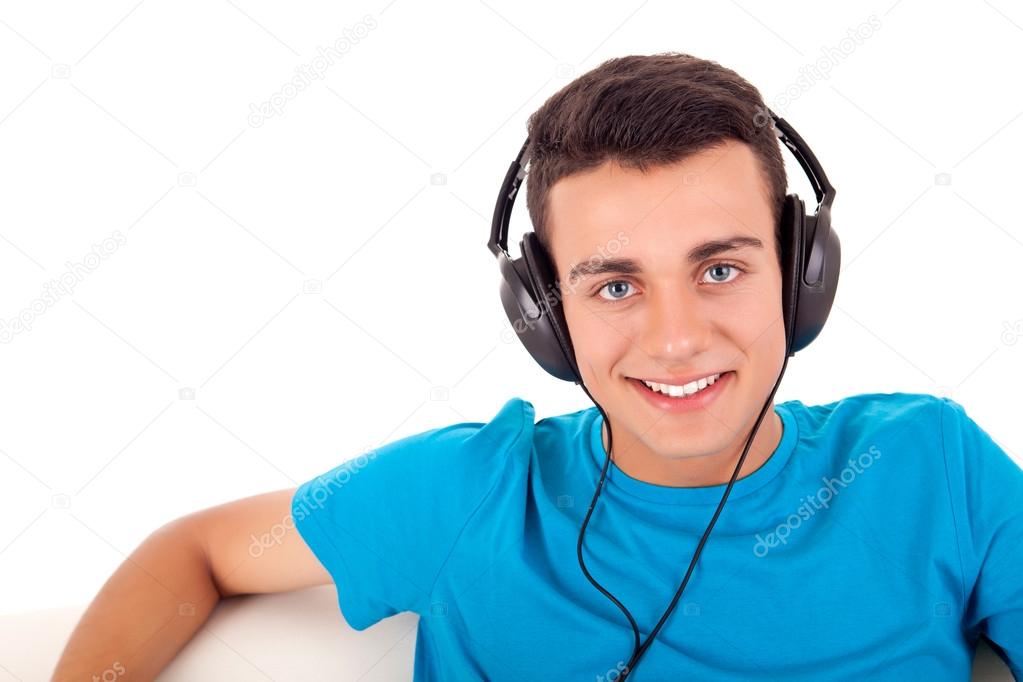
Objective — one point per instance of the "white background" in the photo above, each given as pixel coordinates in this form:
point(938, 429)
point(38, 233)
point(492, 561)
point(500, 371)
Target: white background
point(134, 119)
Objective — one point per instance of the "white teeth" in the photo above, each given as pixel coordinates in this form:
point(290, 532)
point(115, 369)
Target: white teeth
point(688, 389)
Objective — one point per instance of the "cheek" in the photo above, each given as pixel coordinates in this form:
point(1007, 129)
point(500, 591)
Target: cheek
point(759, 312)
point(581, 325)
point(595, 342)
point(763, 329)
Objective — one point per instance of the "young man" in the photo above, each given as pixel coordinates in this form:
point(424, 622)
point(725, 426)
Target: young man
point(875, 537)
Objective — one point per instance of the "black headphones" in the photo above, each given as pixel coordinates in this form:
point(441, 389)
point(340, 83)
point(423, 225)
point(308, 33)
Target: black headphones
point(811, 259)
point(811, 256)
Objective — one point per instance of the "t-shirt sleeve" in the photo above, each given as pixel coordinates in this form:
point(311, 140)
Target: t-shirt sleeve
point(383, 523)
point(986, 486)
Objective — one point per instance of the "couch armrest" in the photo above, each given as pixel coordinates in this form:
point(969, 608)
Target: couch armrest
point(298, 635)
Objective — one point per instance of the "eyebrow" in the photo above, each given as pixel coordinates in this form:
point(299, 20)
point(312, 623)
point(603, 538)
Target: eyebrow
point(628, 266)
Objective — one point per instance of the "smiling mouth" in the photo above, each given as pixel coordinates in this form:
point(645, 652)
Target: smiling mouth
point(681, 390)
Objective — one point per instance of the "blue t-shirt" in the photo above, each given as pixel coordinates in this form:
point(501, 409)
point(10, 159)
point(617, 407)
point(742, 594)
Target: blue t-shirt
point(882, 537)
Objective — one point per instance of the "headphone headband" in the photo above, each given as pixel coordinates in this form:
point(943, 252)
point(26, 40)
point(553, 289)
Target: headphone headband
point(822, 188)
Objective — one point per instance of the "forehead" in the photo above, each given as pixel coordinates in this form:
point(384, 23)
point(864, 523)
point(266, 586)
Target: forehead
point(717, 192)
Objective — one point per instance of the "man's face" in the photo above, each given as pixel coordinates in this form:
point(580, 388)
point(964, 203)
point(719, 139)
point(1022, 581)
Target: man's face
point(672, 317)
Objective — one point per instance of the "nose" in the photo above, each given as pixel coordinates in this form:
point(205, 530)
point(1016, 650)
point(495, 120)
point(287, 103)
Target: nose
point(674, 326)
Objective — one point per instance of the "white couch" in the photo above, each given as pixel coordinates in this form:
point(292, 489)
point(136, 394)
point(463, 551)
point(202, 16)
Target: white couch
point(281, 637)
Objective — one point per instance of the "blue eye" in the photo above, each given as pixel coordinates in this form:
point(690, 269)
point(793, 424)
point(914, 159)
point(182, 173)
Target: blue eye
point(618, 285)
point(731, 267)
point(611, 284)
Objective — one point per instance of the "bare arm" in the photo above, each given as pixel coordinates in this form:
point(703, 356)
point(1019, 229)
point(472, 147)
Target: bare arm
point(145, 612)
point(161, 595)
point(253, 546)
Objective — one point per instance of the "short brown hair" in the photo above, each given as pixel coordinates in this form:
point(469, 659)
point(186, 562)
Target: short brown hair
point(644, 110)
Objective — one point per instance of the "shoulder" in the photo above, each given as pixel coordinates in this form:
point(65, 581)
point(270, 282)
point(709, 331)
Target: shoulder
point(902, 429)
point(509, 429)
point(468, 444)
point(464, 454)
point(872, 412)
point(973, 454)
point(909, 422)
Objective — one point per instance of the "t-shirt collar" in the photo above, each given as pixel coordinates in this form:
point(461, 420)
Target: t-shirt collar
point(700, 494)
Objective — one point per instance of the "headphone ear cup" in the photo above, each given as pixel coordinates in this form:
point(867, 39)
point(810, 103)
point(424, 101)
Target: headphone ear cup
point(823, 261)
point(811, 243)
point(548, 295)
point(530, 321)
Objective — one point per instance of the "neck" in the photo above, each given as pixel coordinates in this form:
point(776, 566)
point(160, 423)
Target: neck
point(637, 460)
